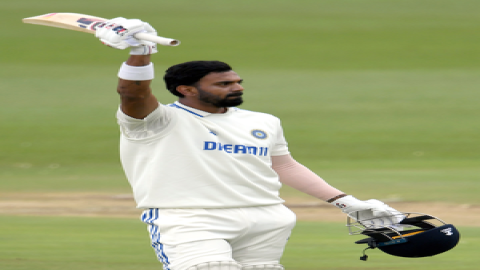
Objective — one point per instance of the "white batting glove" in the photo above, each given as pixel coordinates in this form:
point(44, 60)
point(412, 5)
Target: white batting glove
point(370, 213)
point(118, 33)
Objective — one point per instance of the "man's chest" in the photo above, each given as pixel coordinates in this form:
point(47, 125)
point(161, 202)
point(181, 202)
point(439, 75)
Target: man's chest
point(247, 136)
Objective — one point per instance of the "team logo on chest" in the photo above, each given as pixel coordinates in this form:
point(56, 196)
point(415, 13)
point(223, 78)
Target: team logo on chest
point(259, 134)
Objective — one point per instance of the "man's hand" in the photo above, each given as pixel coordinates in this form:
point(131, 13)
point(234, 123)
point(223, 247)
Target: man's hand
point(118, 33)
point(370, 213)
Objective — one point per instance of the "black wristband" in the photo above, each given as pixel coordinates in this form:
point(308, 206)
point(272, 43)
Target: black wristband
point(336, 197)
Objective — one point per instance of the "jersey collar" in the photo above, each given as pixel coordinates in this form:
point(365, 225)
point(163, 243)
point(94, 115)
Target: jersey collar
point(198, 112)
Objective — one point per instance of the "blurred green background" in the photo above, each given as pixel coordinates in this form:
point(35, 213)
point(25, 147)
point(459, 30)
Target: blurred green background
point(378, 97)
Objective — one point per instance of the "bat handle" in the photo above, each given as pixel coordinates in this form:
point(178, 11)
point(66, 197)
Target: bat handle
point(159, 40)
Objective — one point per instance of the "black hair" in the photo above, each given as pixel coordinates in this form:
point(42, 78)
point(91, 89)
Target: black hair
point(189, 73)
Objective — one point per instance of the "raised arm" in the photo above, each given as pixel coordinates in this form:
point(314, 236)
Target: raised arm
point(136, 96)
point(137, 72)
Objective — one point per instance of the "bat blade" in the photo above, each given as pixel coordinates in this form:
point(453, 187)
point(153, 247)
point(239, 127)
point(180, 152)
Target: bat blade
point(72, 21)
point(88, 24)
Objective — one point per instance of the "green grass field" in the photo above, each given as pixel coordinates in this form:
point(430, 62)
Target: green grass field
point(95, 243)
point(378, 97)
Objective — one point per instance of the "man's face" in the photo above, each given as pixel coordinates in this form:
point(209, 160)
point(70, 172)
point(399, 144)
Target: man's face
point(220, 89)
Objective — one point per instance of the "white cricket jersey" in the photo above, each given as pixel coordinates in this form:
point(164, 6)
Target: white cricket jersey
point(181, 157)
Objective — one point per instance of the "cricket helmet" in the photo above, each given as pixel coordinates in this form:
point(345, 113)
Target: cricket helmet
point(416, 235)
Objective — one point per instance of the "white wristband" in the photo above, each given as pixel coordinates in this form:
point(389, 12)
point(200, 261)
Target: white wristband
point(132, 73)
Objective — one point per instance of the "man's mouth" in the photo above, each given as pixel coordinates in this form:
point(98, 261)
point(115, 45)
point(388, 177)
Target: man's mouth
point(235, 95)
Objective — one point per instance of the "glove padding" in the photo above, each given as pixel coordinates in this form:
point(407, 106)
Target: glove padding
point(118, 33)
point(371, 213)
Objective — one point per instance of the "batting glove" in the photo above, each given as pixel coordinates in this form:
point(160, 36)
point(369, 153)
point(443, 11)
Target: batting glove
point(370, 213)
point(119, 33)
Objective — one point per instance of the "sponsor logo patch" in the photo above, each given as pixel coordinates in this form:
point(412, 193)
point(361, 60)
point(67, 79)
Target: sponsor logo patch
point(235, 148)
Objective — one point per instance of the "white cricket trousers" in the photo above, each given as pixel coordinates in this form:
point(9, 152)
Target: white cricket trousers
point(183, 238)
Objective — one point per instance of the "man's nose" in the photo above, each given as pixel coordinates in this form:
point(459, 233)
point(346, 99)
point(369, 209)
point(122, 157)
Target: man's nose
point(237, 87)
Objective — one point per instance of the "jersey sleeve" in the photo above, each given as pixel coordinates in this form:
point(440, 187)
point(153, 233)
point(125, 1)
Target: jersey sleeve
point(155, 123)
point(281, 146)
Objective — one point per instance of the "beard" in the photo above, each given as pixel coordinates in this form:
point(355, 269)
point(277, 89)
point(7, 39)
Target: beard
point(230, 100)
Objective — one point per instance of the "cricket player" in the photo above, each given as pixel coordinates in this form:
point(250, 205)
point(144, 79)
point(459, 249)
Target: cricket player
point(207, 173)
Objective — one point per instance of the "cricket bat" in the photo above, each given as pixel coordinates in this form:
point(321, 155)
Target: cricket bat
point(88, 24)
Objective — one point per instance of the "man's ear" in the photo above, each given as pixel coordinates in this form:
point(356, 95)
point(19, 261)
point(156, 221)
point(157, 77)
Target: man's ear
point(187, 91)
